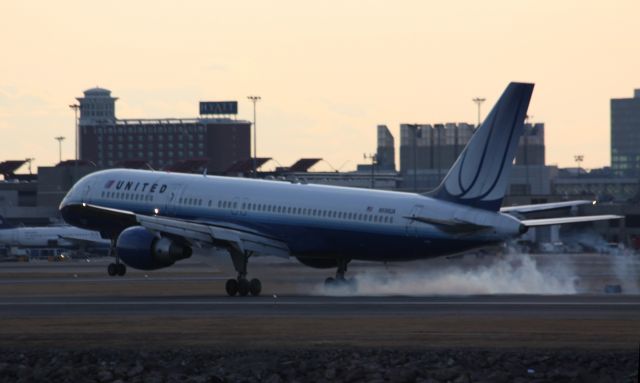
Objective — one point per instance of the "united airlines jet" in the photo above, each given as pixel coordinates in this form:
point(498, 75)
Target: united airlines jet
point(155, 218)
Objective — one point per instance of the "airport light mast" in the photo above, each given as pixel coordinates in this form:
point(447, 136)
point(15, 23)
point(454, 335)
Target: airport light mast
point(479, 101)
point(374, 160)
point(578, 158)
point(254, 99)
point(59, 139)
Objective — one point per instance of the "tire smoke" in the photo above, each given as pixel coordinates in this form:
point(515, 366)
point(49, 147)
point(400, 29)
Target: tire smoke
point(499, 274)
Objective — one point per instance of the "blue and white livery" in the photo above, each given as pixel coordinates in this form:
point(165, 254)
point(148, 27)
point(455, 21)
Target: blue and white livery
point(155, 218)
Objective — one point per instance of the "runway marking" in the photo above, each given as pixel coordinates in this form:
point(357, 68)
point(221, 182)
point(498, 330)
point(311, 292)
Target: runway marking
point(311, 303)
point(81, 279)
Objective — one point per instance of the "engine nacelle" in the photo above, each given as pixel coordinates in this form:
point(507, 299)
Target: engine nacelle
point(319, 263)
point(140, 249)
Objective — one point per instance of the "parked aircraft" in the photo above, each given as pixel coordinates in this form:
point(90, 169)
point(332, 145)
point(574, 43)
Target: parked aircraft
point(155, 218)
point(60, 237)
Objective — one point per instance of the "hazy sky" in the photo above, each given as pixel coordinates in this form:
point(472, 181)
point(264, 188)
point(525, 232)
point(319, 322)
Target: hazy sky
point(328, 71)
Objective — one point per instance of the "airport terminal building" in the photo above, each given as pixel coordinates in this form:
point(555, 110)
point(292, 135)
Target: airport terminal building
point(215, 138)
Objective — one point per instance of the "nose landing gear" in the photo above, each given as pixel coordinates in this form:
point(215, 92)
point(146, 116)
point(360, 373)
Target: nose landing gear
point(116, 268)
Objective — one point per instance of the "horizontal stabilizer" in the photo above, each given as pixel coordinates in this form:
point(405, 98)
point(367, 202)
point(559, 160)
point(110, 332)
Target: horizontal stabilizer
point(523, 209)
point(565, 220)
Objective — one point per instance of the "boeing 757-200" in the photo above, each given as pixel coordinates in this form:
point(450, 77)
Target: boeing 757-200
point(155, 218)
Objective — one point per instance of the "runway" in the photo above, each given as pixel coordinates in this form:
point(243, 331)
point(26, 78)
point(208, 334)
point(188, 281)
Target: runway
point(527, 306)
point(77, 305)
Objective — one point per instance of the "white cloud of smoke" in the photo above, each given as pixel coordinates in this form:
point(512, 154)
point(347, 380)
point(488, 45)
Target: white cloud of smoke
point(504, 274)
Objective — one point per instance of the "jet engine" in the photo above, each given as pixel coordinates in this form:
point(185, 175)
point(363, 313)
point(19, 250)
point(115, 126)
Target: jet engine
point(141, 249)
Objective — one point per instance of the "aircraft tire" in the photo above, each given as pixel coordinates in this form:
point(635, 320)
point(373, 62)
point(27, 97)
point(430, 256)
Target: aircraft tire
point(112, 269)
point(243, 287)
point(255, 287)
point(122, 269)
point(232, 287)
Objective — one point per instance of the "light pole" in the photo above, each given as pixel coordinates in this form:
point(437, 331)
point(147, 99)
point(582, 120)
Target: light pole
point(479, 101)
point(254, 99)
point(374, 159)
point(578, 158)
point(59, 139)
point(75, 108)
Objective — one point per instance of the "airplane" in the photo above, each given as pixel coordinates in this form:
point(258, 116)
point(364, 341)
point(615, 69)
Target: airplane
point(63, 236)
point(155, 219)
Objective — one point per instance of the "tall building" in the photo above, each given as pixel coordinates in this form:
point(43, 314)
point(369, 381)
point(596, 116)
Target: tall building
point(217, 140)
point(428, 151)
point(432, 149)
point(625, 136)
point(531, 149)
point(385, 152)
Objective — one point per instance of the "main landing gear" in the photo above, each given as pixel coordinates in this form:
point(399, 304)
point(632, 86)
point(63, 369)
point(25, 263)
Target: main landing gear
point(241, 285)
point(116, 268)
point(340, 280)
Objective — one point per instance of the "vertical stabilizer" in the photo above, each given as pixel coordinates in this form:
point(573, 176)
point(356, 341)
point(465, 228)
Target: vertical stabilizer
point(480, 176)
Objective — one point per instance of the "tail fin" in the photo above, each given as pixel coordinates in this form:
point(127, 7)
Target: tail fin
point(480, 175)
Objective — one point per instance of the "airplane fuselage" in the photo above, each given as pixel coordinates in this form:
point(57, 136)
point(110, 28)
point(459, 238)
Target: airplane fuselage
point(315, 221)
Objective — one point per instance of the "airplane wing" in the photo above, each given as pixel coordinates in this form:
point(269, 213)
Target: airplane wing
point(523, 209)
point(244, 239)
point(212, 233)
point(565, 220)
point(83, 241)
